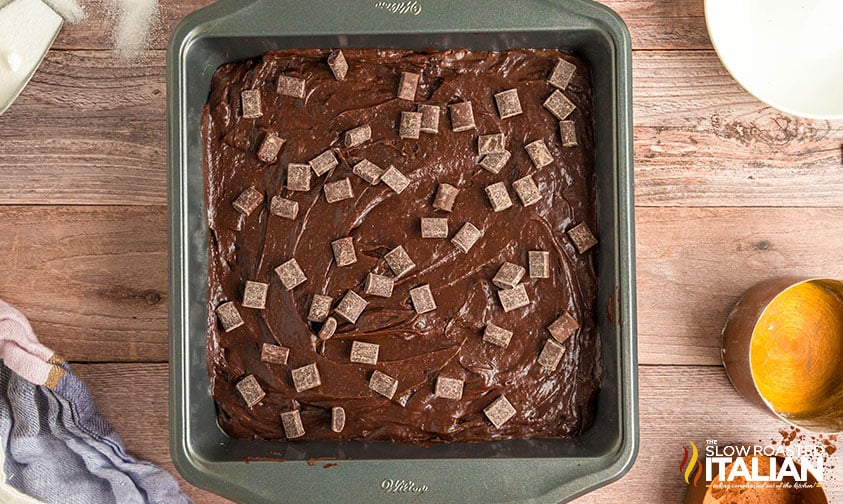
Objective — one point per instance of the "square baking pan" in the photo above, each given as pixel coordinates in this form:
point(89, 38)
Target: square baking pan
point(536, 470)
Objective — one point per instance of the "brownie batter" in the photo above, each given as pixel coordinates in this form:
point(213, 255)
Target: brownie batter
point(414, 348)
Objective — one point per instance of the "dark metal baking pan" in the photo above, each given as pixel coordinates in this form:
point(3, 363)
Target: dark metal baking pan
point(546, 470)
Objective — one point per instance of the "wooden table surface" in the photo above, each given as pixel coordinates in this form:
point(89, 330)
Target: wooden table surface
point(728, 192)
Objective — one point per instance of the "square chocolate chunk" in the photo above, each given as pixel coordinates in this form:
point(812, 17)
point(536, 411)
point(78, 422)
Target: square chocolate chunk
point(488, 144)
point(338, 191)
point(254, 295)
point(274, 354)
point(306, 377)
point(498, 196)
point(298, 177)
point(250, 102)
point(283, 207)
point(344, 253)
point(539, 153)
point(407, 85)
point(379, 285)
point(582, 237)
point(446, 195)
point(230, 318)
point(466, 237)
point(563, 327)
point(462, 116)
point(500, 411)
point(364, 353)
point(291, 274)
point(449, 388)
point(250, 390)
point(434, 227)
point(320, 306)
point(497, 335)
point(551, 355)
point(357, 136)
point(509, 105)
point(291, 86)
point(539, 261)
point(383, 384)
point(248, 201)
point(559, 105)
point(410, 125)
point(328, 329)
point(422, 298)
point(270, 147)
point(527, 190)
point(351, 306)
point(337, 419)
point(568, 133)
point(399, 261)
point(338, 65)
point(291, 421)
point(512, 299)
point(561, 74)
point(430, 118)
point(496, 161)
point(509, 275)
point(368, 171)
point(323, 163)
point(395, 180)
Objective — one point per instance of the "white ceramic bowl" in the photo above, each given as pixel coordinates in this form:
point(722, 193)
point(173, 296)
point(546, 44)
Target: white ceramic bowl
point(787, 53)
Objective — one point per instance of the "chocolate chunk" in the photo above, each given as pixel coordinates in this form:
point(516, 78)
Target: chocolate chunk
point(422, 298)
point(298, 177)
point(448, 388)
point(462, 116)
point(368, 171)
point(291, 421)
point(379, 285)
point(364, 353)
point(229, 316)
point(344, 254)
point(446, 195)
point(561, 74)
point(509, 275)
point(358, 136)
point(497, 335)
point(283, 207)
point(383, 384)
point(559, 105)
point(351, 306)
point(291, 274)
point(306, 377)
point(337, 419)
point(527, 190)
point(500, 411)
point(551, 355)
point(568, 133)
point(248, 201)
point(407, 85)
point(328, 329)
point(496, 161)
point(254, 295)
point(513, 298)
point(582, 237)
point(498, 196)
point(410, 125)
point(395, 180)
point(250, 390)
point(430, 118)
point(338, 64)
point(563, 327)
point(250, 102)
point(338, 191)
point(508, 103)
point(539, 261)
point(434, 227)
point(320, 306)
point(270, 147)
point(489, 144)
point(274, 354)
point(539, 154)
point(399, 261)
point(323, 163)
point(466, 237)
point(291, 86)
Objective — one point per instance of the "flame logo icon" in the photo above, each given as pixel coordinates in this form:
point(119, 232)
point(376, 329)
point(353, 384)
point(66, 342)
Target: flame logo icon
point(691, 461)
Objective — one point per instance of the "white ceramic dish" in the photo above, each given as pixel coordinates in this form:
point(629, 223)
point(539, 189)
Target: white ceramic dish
point(787, 53)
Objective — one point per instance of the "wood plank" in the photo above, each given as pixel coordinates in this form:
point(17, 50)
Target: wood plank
point(678, 404)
